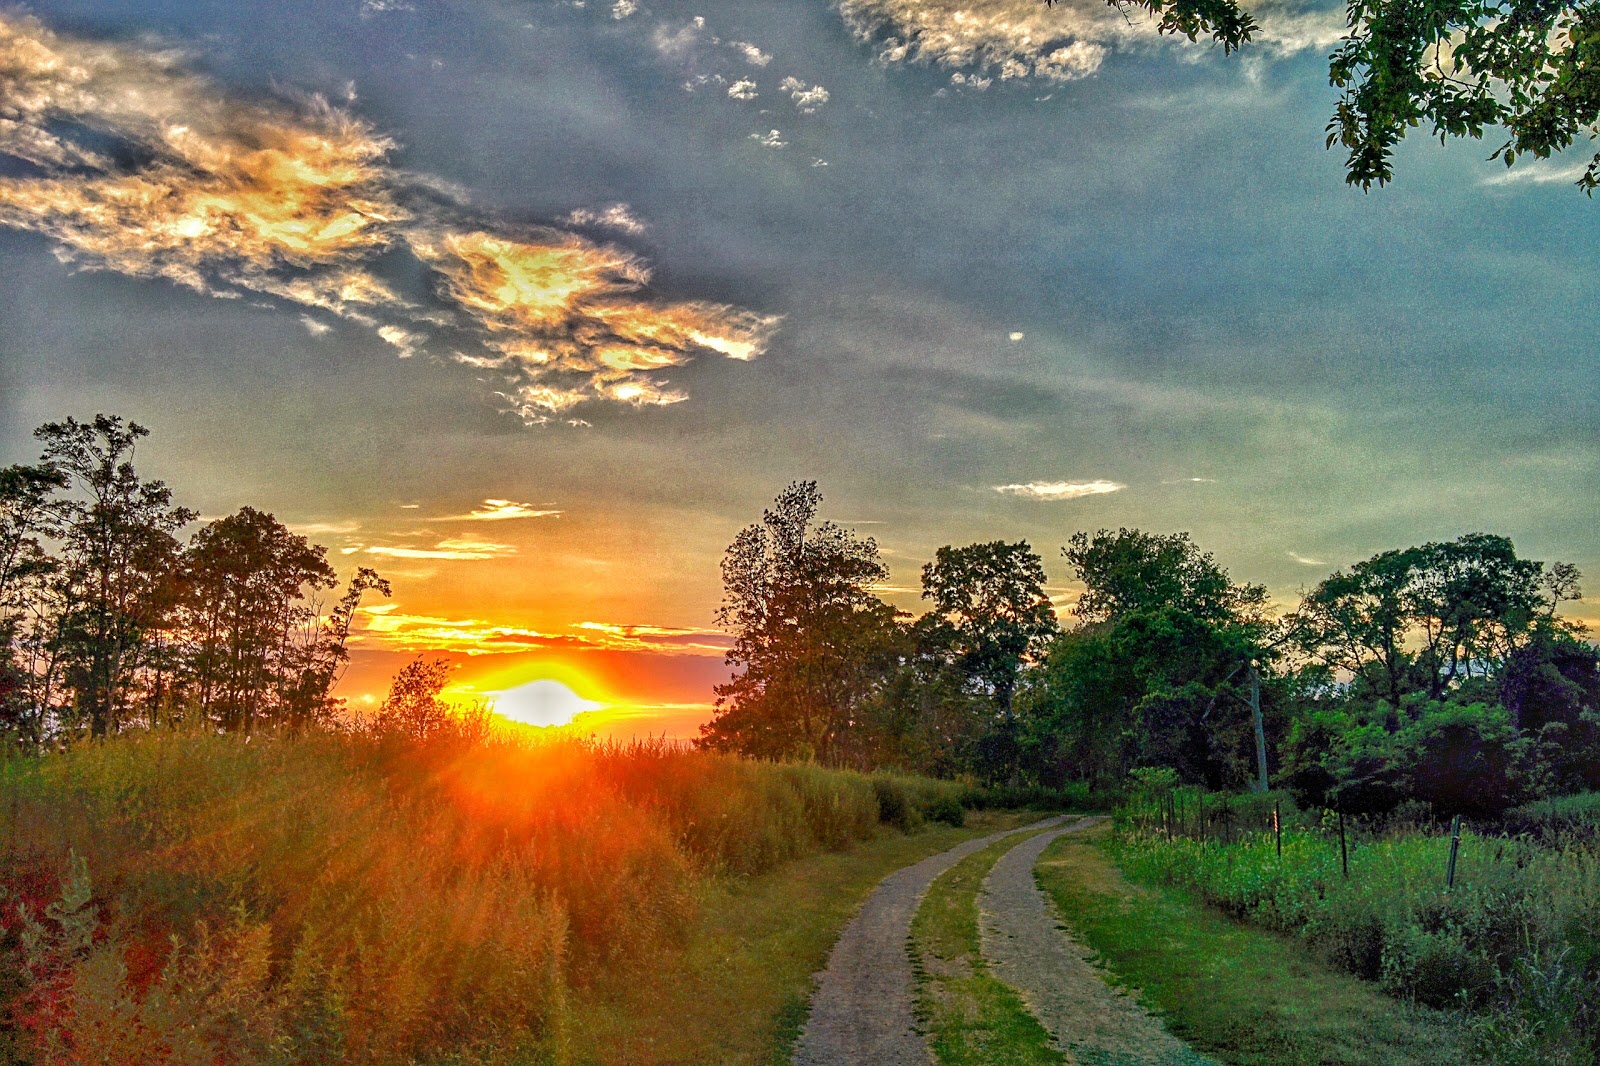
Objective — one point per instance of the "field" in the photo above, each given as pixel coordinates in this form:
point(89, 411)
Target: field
point(208, 899)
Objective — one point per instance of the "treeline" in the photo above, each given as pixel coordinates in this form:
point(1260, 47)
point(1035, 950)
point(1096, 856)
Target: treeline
point(1442, 674)
point(109, 620)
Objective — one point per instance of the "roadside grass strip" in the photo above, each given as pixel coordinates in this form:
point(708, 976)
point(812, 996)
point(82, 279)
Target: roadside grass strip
point(1247, 996)
point(971, 1017)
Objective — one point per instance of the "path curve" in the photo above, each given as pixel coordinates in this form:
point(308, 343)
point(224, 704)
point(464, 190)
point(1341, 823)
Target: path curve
point(861, 1011)
point(1026, 946)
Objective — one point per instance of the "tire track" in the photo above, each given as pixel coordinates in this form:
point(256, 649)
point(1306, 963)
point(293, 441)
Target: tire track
point(861, 1011)
point(1026, 946)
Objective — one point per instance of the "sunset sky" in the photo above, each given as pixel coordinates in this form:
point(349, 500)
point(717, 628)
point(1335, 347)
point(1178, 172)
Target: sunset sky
point(532, 305)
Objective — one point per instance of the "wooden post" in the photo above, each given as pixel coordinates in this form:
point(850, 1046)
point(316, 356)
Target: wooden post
point(1261, 733)
point(1277, 827)
point(1344, 851)
point(1455, 846)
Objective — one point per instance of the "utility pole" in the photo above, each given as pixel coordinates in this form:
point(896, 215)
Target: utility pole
point(1261, 733)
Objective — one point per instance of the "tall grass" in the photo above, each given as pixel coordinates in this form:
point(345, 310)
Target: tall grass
point(205, 899)
point(1516, 940)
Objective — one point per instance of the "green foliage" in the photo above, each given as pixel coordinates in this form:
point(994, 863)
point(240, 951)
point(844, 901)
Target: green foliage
point(990, 602)
point(1517, 939)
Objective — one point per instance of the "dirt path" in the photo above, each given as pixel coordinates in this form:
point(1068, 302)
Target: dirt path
point(861, 1012)
point(1025, 946)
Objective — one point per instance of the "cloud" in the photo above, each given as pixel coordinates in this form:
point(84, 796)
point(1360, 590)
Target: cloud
point(623, 8)
point(455, 550)
point(619, 217)
point(323, 529)
point(770, 139)
point(1059, 490)
point(807, 98)
point(313, 327)
point(499, 511)
point(385, 624)
point(138, 166)
point(1015, 336)
point(1306, 560)
point(752, 55)
point(743, 89)
point(1541, 172)
point(1024, 39)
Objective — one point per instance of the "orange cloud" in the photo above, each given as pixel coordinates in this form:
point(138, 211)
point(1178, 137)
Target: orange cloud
point(459, 550)
point(499, 511)
point(386, 626)
point(297, 199)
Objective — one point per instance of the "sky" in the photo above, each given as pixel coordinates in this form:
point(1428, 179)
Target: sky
point(532, 305)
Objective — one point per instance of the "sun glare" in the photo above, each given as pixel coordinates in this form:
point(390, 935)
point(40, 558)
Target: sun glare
point(544, 703)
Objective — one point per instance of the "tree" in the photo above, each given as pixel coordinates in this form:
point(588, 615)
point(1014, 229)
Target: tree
point(1426, 618)
point(811, 641)
point(248, 583)
point(413, 708)
point(1131, 570)
point(991, 598)
point(1163, 631)
point(118, 561)
point(1460, 68)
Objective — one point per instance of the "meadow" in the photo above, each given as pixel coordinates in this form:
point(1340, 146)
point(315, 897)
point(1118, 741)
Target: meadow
point(1513, 945)
point(221, 899)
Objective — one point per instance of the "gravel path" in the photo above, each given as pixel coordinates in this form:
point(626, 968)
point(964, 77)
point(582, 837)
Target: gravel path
point(861, 1010)
point(1026, 947)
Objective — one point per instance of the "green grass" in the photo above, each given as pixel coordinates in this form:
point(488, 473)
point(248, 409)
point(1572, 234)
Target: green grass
point(1242, 994)
point(972, 1018)
point(738, 992)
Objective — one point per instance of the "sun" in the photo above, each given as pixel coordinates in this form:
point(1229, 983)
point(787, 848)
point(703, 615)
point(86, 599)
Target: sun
point(544, 702)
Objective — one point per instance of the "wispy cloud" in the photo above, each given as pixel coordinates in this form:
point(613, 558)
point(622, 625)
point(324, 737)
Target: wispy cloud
point(1539, 172)
point(770, 139)
point(1024, 39)
point(743, 89)
point(142, 167)
point(500, 511)
point(459, 549)
point(619, 217)
point(386, 625)
point(752, 55)
point(1059, 490)
point(1306, 560)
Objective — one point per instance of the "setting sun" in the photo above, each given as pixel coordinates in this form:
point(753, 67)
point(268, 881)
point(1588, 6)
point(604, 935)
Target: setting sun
point(543, 703)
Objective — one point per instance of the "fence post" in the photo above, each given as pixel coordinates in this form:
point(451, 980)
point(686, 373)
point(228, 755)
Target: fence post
point(1344, 851)
point(1455, 846)
point(1277, 826)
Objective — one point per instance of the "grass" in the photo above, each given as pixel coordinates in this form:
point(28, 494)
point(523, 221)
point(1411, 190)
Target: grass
point(1515, 943)
point(208, 900)
point(972, 1017)
point(1242, 994)
point(739, 991)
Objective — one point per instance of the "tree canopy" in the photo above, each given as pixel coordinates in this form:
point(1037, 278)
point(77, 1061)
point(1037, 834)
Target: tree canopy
point(1459, 68)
